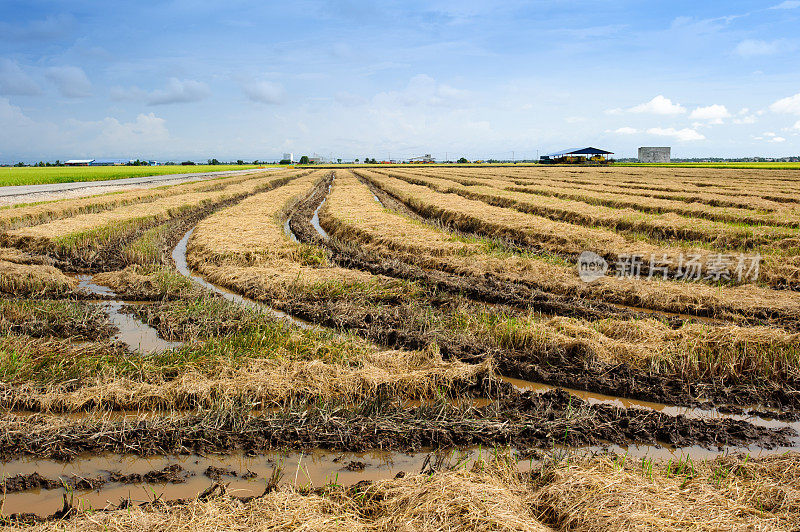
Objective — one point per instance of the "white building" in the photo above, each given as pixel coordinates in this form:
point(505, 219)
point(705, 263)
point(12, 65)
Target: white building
point(652, 154)
point(288, 157)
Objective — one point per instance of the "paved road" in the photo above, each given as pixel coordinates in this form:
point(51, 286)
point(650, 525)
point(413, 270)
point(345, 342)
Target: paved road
point(31, 193)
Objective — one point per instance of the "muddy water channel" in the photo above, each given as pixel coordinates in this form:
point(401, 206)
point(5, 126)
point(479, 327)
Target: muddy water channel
point(179, 257)
point(103, 481)
point(130, 331)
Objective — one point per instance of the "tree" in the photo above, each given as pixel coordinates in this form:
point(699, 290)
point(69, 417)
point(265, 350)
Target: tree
point(304, 159)
point(339, 161)
point(285, 161)
point(240, 162)
point(463, 160)
point(187, 163)
point(213, 162)
point(357, 160)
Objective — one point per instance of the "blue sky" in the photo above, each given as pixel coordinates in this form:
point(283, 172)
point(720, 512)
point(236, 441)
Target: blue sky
point(198, 79)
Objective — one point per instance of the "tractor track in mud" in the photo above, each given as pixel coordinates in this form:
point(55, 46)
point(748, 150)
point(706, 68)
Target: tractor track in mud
point(487, 289)
point(525, 421)
point(571, 369)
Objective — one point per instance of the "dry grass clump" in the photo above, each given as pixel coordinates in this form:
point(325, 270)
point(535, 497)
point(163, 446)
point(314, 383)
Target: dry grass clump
point(351, 213)
point(626, 215)
point(607, 493)
point(83, 229)
point(34, 280)
point(398, 375)
point(250, 232)
point(598, 188)
point(148, 283)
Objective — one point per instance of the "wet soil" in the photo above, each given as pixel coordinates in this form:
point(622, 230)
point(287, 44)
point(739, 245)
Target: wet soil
point(522, 420)
point(34, 481)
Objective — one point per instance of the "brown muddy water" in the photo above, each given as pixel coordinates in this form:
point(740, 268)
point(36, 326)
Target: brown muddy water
point(130, 330)
point(305, 469)
point(248, 475)
point(179, 257)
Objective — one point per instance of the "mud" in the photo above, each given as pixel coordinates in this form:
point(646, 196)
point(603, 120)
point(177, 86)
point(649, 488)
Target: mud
point(522, 420)
point(34, 481)
point(250, 474)
point(131, 332)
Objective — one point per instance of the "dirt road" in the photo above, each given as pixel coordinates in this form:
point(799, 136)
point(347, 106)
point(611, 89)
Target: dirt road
point(13, 195)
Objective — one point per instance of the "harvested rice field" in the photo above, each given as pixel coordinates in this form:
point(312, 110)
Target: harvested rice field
point(368, 348)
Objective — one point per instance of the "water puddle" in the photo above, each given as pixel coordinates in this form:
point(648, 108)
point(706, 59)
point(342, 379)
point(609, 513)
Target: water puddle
point(179, 257)
point(132, 332)
point(288, 230)
point(315, 219)
point(689, 412)
point(244, 475)
point(378, 200)
point(86, 285)
point(135, 334)
point(122, 477)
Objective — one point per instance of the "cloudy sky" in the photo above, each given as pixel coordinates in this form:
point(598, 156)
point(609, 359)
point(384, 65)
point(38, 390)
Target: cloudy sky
point(199, 78)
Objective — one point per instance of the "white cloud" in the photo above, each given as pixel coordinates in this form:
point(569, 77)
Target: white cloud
point(714, 114)
point(789, 105)
point(71, 81)
point(777, 139)
point(684, 134)
point(659, 106)
point(13, 80)
point(796, 126)
point(787, 4)
point(757, 48)
point(110, 136)
point(626, 131)
point(264, 92)
point(179, 91)
point(423, 90)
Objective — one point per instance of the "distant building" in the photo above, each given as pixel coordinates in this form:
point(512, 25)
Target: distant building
point(422, 159)
point(78, 162)
point(650, 154)
point(288, 157)
point(110, 162)
point(577, 156)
